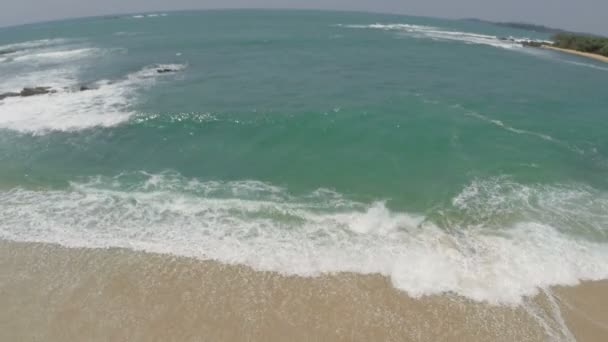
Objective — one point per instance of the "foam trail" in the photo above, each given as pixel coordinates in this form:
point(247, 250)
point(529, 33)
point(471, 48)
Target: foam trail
point(588, 65)
point(31, 44)
point(557, 316)
point(500, 124)
point(257, 224)
point(550, 317)
point(50, 51)
point(57, 55)
point(512, 129)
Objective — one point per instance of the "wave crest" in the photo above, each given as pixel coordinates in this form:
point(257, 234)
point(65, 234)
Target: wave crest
point(435, 33)
point(269, 228)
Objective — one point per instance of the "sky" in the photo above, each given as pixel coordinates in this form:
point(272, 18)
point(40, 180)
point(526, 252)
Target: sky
point(576, 15)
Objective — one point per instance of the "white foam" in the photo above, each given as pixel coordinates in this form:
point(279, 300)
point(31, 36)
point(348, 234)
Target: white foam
point(106, 104)
point(50, 51)
point(266, 227)
point(150, 15)
point(419, 31)
point(587, 65)
point(32, 44)
point(125, 34)
point(57, 55)
point(151, 72)
point(56, 78)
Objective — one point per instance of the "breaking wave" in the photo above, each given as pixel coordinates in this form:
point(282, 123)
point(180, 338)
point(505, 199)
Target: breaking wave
point(430, 32)
point(515, 240)
point(105, 103)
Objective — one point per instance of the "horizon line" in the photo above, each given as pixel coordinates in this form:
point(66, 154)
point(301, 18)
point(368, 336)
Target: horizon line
point(299, 9)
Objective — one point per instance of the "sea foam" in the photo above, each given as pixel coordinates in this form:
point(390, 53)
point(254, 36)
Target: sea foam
point(107, 103)
point(14, 47)
point(435, 33)
point(503, 254)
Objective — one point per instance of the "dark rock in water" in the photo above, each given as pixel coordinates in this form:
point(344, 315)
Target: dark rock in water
point(165, 70)
point(6, 52)
point(35, 91)
point(28, 92)
point(532, 43)
point(85, 88)
point(5, 95)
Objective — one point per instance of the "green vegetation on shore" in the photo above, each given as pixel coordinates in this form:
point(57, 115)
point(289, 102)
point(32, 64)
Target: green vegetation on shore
point(521, 26)
point(581, 42)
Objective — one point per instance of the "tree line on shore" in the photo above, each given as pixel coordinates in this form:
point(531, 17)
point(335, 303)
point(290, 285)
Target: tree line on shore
point(581, 42)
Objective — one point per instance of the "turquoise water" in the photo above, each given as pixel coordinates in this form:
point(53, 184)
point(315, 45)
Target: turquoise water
point(305, 142)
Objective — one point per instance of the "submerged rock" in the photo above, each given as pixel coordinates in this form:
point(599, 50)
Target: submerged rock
point(166, 70)
point(35, 91)
point(6, 52)
point(5, 95)
point(162, 71)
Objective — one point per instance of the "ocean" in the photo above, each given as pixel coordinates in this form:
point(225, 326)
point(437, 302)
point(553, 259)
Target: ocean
point(429, 151)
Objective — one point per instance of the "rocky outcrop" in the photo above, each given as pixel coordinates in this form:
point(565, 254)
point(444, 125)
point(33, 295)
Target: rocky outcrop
point(5, 95)
point(532, 43)
point(35, 91)
point(166, 70)
point(26, 92)
point(6, 52)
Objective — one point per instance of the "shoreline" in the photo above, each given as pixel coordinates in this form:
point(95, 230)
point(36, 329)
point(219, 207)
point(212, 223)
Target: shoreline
point(578, 53)
point(53, 293)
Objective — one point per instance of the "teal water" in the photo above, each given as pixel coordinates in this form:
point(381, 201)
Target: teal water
point(305, 142)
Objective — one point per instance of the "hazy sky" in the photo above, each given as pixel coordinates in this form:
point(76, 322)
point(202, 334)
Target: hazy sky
point(581, 15)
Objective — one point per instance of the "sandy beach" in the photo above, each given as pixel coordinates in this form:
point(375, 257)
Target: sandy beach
point(578, 53)
point(51, 293)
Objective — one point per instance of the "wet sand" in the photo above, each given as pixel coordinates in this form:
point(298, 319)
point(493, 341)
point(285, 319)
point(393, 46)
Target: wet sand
point(51, 293)
point(578, 53)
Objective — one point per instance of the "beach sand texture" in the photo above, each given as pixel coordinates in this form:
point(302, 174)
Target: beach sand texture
point(578, 53)
point(50, 293)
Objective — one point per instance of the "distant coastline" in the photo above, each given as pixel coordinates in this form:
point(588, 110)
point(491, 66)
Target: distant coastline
point(522, 26)
point(580, 44)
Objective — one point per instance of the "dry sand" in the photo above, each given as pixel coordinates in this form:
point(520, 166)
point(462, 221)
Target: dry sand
point(50, 293)
point(578, 53)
